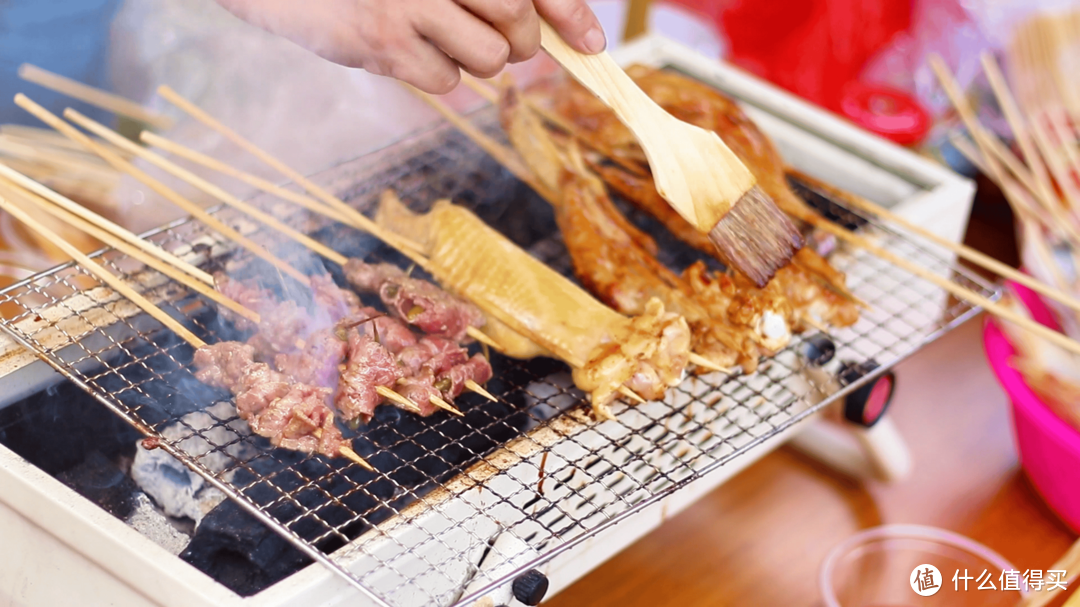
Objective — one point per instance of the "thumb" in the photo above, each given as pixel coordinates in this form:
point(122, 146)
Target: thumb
point(575, 22)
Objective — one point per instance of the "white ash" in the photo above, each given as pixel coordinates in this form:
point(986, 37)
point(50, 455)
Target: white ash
point(181, 492)
point(149, 521)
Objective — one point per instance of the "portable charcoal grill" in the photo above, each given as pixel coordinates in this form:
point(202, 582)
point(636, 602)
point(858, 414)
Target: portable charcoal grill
point(459, 508)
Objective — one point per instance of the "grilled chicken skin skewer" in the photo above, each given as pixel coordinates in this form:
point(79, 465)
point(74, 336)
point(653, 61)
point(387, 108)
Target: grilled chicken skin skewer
point(529, 302)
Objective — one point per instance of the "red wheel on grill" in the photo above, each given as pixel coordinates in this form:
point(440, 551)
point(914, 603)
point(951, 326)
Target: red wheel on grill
point(867, 404)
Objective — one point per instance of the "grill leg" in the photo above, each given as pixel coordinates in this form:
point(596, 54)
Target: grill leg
point(878, 452)
point(855, 437)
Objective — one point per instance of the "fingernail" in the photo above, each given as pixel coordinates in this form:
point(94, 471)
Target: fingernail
point(594, 41)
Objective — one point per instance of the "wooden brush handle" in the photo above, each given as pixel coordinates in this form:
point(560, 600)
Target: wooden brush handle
point(606, 79)
point(669, 143)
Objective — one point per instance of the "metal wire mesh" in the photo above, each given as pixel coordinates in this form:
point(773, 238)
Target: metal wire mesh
point(458, 505)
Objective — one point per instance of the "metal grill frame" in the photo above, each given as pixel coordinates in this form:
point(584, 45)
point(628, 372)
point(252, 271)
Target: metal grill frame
point(358, 183)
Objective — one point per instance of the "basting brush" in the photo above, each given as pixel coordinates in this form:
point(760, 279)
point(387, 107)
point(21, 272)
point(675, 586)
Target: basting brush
point(694, 171)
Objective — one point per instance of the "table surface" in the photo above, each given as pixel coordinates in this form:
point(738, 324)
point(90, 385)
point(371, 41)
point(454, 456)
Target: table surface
point(760, 538)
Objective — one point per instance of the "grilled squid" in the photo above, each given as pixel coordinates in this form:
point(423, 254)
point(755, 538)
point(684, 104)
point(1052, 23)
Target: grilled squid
point(533, 310)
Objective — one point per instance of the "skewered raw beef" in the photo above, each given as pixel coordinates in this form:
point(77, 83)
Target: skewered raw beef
point(293, 415)
point(415, 301)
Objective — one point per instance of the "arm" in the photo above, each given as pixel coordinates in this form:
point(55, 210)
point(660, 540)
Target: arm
point(423, 42)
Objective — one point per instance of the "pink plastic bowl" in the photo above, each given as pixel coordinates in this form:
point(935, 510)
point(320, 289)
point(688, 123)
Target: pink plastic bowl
point(1049, 447)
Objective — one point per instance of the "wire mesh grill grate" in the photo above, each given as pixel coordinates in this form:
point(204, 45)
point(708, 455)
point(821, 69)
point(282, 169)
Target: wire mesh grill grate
point(457, 506)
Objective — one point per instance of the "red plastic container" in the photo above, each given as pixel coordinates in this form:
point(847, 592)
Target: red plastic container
point(817, 49)
point(1049, 447)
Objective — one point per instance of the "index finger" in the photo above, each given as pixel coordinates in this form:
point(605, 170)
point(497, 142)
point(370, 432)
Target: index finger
point(575, 22)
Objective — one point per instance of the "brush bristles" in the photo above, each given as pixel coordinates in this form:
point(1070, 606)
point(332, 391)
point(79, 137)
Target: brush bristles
point(756, 237)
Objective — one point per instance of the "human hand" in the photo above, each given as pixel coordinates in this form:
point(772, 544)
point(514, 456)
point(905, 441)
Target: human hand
point(424, 42)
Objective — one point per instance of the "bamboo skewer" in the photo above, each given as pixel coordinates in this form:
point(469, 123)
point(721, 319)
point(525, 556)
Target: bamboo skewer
point(305, 201)
point(101, 99)
point(1024, 209)
point(353, 216)
point(131, 294)
point(39, 136)
point(155, 140)
point(508, 160)
point(1060, 127)
point(1057, 221)
point(489, 145)
point(349, 454)
point(475, 387)
point(129, 250)
point(392, 396)
point(953, 288)
point(357, 218)
point(1059, 165)
point(442, 404)
point(1016, 198)
point(1069, 563)
point(77, 209)
point(169, 194)
point(102, 274)
point(966, 252)
point(810, 217)
point(705, 363)
point(983, 140)
point(78, 162)
point(124, 143)
point(1016, 122)
point(488, 93)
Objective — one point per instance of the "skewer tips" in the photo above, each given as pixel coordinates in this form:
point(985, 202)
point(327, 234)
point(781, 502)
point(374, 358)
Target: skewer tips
point(475, 387)
point(705, 363)
point(634, 396)
point(394, 397)
point(442, 404)
point(351, 455)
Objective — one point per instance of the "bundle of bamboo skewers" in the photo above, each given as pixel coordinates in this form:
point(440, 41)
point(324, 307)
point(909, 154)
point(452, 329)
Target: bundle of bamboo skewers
point(65, 166)
point(1040, 178)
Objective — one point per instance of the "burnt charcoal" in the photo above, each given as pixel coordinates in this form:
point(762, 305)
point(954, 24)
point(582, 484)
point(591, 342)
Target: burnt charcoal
point(824, 204)
point(525, 219)
point(101, 481)
point(55, 429)
point(672, 252)
point(241, 552)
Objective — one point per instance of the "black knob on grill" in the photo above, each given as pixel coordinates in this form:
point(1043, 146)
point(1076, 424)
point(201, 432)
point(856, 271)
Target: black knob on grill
point(819, 350)
point(867, 404)
point(530, 587)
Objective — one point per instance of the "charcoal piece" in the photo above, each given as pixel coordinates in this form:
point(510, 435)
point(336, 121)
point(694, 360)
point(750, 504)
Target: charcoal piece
point(100, 480)
point(55, 429)
point(240, 552)
point(826, 206)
